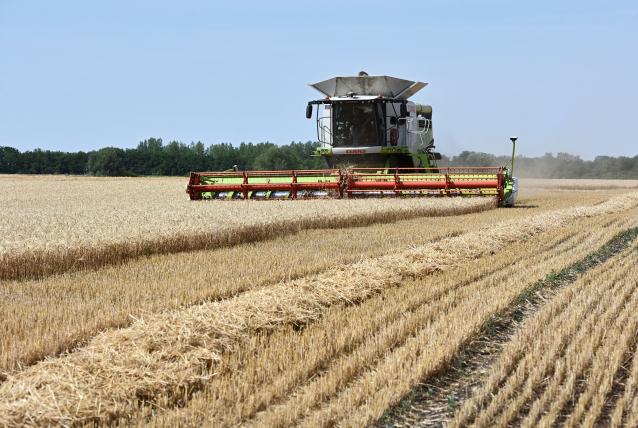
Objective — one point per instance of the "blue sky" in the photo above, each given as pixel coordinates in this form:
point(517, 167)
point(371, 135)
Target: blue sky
point(80, 75)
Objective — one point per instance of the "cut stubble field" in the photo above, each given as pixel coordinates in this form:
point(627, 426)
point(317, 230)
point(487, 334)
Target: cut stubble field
point(575, 363)
point(318, 325)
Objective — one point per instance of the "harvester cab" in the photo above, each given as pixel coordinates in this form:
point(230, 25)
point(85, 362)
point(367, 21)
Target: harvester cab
point(376, 143)
point(368, 121)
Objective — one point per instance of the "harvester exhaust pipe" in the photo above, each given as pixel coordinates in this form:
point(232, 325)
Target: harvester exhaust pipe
point(513, 153)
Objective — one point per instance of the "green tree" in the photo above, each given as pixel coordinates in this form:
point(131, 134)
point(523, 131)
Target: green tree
point(109, 161)
point(276, 158)
point(10, 160)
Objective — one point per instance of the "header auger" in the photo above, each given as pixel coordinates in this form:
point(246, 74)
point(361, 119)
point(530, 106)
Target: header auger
point(368, 122)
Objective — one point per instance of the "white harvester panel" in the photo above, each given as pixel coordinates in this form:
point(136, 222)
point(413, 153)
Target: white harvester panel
point(385, 86)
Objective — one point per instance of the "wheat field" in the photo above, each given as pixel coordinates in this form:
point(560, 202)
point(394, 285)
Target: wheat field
point(587, 185)
point(331, 321)
point(58, 224)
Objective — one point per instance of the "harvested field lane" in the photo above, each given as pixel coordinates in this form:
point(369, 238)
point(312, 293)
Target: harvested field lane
point(416, 312)
point(159, 356)
point(574, 363)
point(433, 401)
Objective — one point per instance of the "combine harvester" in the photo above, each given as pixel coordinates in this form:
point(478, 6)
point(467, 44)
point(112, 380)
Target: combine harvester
point(376, 144)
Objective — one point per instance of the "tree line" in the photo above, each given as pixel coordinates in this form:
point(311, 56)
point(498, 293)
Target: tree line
point(154, 157)
point(561, 165)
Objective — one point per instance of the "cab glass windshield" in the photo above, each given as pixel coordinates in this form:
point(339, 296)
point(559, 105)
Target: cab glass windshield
point(357, 124)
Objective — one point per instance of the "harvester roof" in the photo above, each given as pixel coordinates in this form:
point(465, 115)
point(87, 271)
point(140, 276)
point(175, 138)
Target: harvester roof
point(386, 86)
